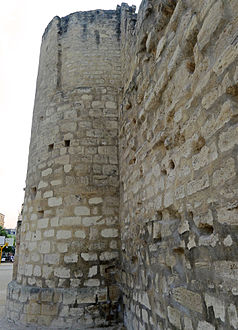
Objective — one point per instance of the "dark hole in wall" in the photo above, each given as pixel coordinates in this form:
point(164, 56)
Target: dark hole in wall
point(97, 37)
point(84, 28)
point(33, 191)
point(50, 147)
point(171, 164)
point(205, 229)
point(66, 143)
point(41, 213)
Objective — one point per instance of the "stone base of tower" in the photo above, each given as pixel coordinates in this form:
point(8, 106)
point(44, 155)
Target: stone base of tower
point(62, 308)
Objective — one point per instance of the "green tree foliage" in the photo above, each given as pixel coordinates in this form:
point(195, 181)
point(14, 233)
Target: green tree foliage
point(3, 232)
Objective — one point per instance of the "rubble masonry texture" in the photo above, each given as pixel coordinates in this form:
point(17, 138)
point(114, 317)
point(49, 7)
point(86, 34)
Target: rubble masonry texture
point(149, 236)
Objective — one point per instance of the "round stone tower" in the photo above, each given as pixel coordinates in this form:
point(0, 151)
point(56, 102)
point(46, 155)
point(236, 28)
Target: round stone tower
point(69, 249)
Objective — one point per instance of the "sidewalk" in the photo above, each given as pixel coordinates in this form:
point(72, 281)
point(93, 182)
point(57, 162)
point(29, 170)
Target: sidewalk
point(5, 278)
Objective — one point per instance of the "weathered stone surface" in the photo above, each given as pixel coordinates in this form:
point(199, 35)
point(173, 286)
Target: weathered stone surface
point(132, 174)
point(188, 299)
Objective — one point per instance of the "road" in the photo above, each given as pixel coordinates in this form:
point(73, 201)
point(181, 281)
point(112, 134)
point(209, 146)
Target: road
point(5, 278)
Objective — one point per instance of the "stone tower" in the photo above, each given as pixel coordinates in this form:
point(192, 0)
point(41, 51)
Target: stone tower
point(170, 74)
point(69, 249)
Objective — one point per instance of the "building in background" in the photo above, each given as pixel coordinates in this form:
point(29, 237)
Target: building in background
point(11, 231)
point(2, 216)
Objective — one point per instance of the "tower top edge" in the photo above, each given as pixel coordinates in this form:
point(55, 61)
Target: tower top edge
point(90, 15)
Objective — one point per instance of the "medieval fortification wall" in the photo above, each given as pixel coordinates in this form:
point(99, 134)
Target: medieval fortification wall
point(150, 238)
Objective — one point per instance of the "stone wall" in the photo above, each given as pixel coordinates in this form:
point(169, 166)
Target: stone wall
point(68, 256)
point(178, 165)
point(168, 242)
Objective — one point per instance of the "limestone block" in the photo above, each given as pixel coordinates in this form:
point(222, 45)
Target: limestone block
point(42, 223)
point(113, 244)
point(95, 200)
point(203, 325)
point(82, 210)
point(144, 300)
point(35, 257)
point(86, 97)
point(37, 271)
point(75, 283)
point(46, 295)
point(54, 201)
point(228, 241)
point(176, 58)
point(227, 216)
point(188, 298)
point(227, 57)
point(92, 271)
point(160, 47)
point(42, 184)
point(197, 185)
point(47, 271)
point(46, 172)
point(56, 182)
point(92, 221)
point(226, 270)
point(86, 298)
point(109, 232)
point(232, 314)
point(111, 105)
point(49, 233)
point(68, 126)
point(34, 308)
point(107, 150)
point(80, 234)
point(206, 5)
point(114, 293)
point(67, 168)
point(44, 247)
point(54, 222)
point(70, 221)
point(52, 259)
point(225, 173)
point(62, 272)
point(64, 234)
point(218, 306)
point(187, 323)
point(174, 317)
point(49, 309)
point(97, 104)
point(144, 314)
point(228, 139)
point(92, 282)
point(62, 160)
point(210, 24)
point(28, 269)
point(89, 256)
point(71, 258)
point(179, 192)
point(48, 194)
point(108, 256)
point(76, 312)
point(34, 216)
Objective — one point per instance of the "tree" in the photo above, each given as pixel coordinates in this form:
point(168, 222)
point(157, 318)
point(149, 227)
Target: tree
point(3, 232)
